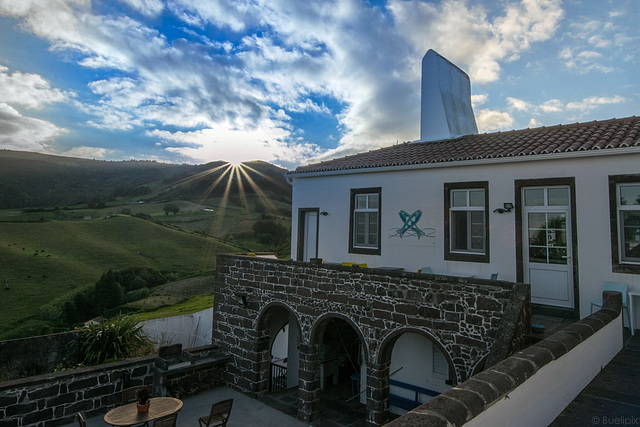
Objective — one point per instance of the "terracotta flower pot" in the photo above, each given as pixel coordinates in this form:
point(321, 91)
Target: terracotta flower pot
point(145, 407)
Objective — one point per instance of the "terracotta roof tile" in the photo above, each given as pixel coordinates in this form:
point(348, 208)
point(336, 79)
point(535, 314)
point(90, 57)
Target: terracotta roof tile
point(591, 136)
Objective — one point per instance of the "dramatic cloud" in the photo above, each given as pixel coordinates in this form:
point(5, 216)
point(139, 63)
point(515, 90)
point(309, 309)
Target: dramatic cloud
point(24, 133)
point(29, 90)
point(467, 37)
point(228, 79)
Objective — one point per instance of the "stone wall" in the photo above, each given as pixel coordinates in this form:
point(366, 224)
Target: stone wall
point(33, 355)
point(462, 317)
point(475, 398)
point(54, 399)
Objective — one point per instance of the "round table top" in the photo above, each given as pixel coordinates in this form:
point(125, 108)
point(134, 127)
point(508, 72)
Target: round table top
point(127, 415)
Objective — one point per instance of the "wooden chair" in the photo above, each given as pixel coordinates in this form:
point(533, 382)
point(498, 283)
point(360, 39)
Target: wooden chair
point(168, 421)
point(219, 414)
point(129, 394)
point(81, 420)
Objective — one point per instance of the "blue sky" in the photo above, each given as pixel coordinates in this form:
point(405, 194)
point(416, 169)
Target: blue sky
point(292, 82)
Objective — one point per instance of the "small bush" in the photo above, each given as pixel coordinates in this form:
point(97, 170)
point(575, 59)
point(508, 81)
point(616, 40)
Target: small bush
point(109, 340)
point(136, 295)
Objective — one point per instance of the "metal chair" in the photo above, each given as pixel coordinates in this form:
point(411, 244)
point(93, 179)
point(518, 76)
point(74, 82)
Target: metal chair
point(617, 287)
point(81, 420)
point(494, 276)
point(168, 421)
point(219, 414)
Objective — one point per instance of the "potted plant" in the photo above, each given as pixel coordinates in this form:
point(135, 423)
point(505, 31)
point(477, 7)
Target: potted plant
point(143, 394)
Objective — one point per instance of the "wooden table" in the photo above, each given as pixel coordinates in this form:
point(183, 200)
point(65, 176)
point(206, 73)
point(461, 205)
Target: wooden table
point(127, 415)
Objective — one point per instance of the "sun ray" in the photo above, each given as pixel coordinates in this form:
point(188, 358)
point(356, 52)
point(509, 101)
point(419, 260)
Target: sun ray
point(263, 197)
point(243, 197)
point(215, 183)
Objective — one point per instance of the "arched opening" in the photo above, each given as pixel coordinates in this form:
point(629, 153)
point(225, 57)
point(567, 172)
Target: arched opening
point(418, 371)
point(341, 369)
point(283, 357)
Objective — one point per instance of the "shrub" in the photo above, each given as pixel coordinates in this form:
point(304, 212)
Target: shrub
point(109, 340)
point(136, 295)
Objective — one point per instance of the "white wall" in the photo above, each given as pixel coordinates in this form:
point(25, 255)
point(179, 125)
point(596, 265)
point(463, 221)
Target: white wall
point(541, 398)
point(423, 189)
point(190, 330)
point(413, 370)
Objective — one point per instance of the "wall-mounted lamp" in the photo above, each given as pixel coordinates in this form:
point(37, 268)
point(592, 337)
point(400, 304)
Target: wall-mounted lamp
point(324, 213)
point(506, 208)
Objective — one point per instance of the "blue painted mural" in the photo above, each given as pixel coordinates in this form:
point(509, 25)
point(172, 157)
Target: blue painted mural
point(410, 226)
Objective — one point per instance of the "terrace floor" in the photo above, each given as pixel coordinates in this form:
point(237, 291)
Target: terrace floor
point(613, 397)
point(245, 412)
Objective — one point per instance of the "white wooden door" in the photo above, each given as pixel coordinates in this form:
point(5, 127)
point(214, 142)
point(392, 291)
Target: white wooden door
point(547, 245)
point(310, 236)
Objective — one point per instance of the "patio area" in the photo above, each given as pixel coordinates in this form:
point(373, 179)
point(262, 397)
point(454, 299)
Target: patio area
point(245, 412)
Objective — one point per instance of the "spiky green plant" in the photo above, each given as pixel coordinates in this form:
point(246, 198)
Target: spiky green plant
point(109, 340)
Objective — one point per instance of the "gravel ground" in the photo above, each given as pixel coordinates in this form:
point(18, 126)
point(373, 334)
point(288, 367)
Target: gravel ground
point(202, 285)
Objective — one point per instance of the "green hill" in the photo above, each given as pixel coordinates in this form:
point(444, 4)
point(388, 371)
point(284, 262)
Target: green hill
point(68, 254)
point(32, 180)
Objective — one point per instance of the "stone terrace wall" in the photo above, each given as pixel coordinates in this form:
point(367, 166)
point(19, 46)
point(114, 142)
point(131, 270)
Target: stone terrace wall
point(468, 402)
point(462, 316)
point(54, 399)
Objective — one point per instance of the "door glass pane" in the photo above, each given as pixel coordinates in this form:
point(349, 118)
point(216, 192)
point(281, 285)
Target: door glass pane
point(476, 198)
point(631, 235)
point(537, 220)
point(538, 255)
point(630, 194)
point(534, 197)
point(459, 198)
point(558, 197)
point(557, 238)
point(557, 221)
point(557, 256)
point(537, 237)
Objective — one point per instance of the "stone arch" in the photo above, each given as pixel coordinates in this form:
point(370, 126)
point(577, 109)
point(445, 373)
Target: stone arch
point(386, 346)
point(263, 315)
point(315, 373)
point(266, 332)
point(321, 323)
point(384, 364)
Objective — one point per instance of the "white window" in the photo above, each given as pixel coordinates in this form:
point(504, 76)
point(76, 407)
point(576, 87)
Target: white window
point(467, 220)
point(628, 204)
point(366, 219)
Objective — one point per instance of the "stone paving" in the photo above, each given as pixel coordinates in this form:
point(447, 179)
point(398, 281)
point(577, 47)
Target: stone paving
point(613, 397)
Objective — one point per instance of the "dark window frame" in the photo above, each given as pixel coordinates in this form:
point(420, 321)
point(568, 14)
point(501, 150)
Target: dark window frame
point(617, 265)
point(450, 255)
point(360, 250)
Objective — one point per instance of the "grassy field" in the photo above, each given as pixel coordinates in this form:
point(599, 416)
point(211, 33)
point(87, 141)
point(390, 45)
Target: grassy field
point(41, 261)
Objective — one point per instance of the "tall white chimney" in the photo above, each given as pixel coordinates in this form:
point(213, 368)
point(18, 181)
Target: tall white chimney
point(446, 111)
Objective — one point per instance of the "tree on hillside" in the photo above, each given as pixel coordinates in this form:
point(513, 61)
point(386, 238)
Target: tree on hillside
point(171, 207)
point(107, 292)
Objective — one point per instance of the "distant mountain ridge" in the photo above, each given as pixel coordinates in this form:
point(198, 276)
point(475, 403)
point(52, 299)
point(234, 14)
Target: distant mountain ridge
point(34, 180)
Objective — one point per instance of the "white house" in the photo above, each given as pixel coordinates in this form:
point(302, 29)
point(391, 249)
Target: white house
point(556, 207)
